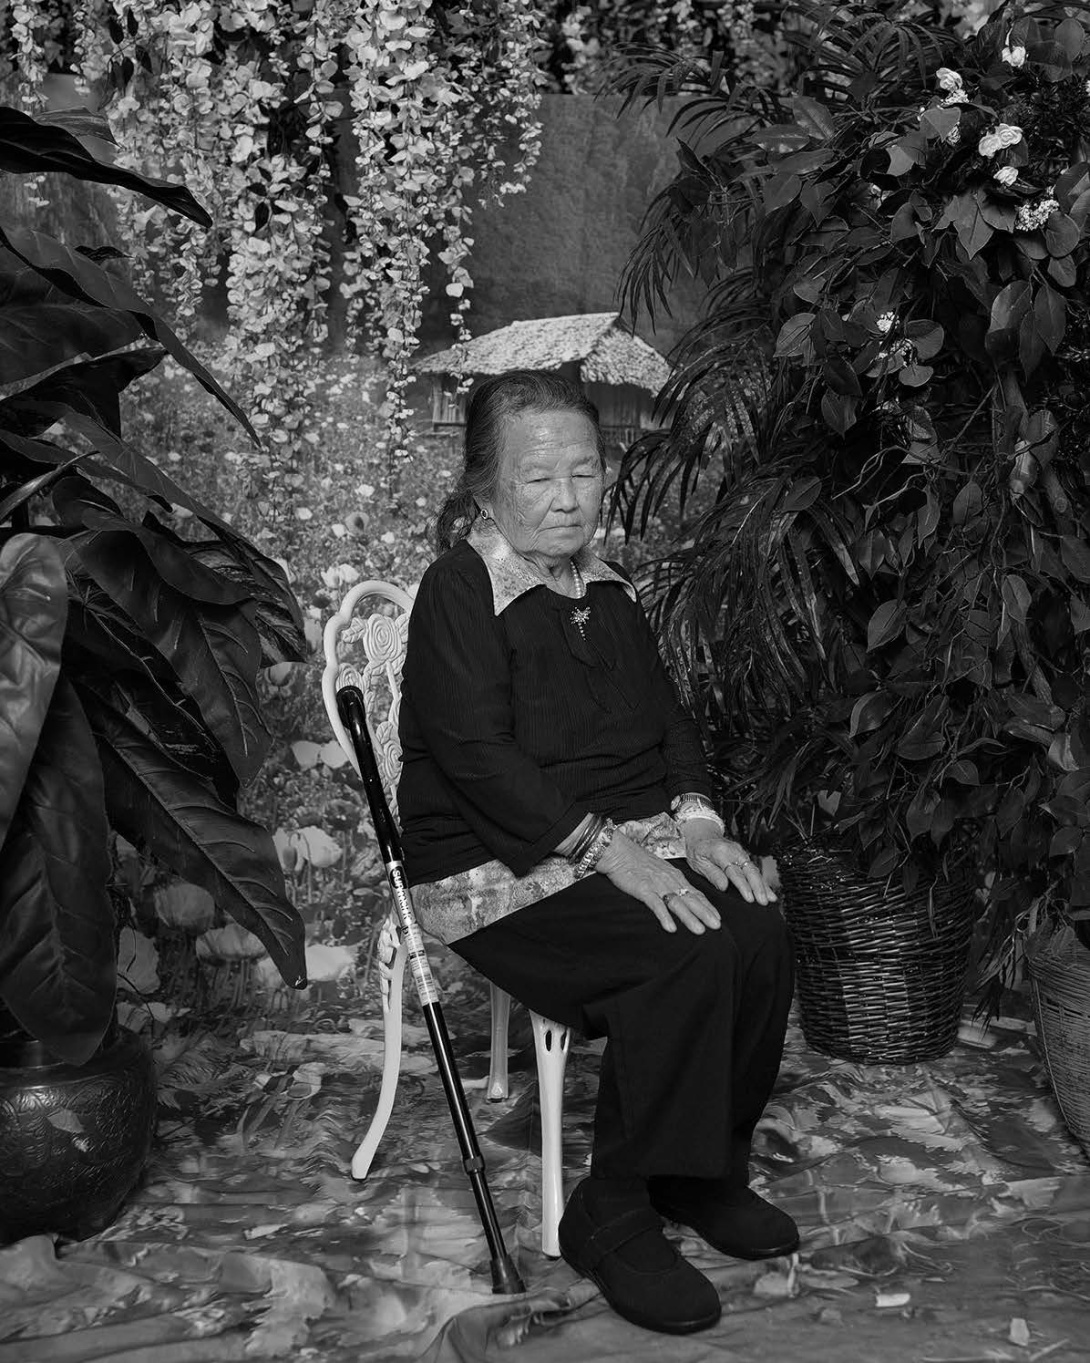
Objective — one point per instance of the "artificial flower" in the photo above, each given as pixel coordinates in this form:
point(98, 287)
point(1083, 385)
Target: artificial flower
point(1005, 135)
point(1006, 175)
point(1014, 56)
point(948, 79)
point(1031, 216)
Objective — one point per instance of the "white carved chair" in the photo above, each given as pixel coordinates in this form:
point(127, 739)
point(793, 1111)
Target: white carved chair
point(365, 646)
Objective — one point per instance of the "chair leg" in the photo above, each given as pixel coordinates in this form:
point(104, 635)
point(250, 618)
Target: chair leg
point(551, 1044)
point(392, 951)
point(497, 1068)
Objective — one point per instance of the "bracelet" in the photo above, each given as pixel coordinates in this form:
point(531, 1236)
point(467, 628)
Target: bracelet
point(589, 834)
point(591, 857)
point(693, 806)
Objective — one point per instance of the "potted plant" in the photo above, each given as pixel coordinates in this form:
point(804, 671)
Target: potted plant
point(129, 658)
point(881, 603)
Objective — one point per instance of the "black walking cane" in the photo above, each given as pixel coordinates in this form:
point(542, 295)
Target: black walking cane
point(353, 713)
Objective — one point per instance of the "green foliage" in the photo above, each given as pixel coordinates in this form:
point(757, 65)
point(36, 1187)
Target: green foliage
point(580, 41)
point(883, 614)
point(130, 656)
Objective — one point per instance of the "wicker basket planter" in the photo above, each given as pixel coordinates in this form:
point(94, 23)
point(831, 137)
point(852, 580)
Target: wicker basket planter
point(881, 975)
point(1059, 971)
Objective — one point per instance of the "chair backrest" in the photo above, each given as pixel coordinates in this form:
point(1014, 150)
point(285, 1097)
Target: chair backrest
point(365, 646)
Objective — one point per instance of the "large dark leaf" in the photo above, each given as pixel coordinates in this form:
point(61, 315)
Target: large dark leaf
point(35, 487)
point(111, 658)
point(278, 617)
point(118, 667)
point(80, 121)
point(1008, 309)
point(88, 282)
point(125, 465)
point(172, 557)
point(90, 389)
point(214, 650)
point(885, 624)
point(158, 805)
point(73, 496)
point(101, 642)
point(42, 326)
point(33, 610)
point(27, 146)
point(57, 955)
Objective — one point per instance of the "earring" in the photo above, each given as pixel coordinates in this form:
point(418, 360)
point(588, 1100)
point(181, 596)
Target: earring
point(485, 514)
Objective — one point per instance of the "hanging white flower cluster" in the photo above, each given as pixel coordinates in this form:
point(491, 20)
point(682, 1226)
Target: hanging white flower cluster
point(34, 29)
point(430, 119)
point(27, 20)
point(246, 101)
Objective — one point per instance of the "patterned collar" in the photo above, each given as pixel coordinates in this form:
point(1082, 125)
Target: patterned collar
point(512, 576)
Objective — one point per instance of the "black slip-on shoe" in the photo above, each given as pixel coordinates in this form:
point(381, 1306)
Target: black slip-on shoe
point(676, 1300)
point(739, 1223)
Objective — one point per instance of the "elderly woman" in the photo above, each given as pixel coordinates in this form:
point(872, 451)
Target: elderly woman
point(560, 835)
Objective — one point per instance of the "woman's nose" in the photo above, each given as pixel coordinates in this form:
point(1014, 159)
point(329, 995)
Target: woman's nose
point(565, 492)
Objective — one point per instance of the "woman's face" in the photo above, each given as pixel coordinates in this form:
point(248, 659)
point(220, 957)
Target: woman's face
point(549, 491)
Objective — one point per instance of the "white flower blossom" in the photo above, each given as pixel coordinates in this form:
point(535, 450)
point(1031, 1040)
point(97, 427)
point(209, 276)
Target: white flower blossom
point(1014, 56)
point(1031, 216)
point(885, 321)
point(949, 79)
point(1005, 135)
point(340, 575)
point(953, 137)
point(1006, 175)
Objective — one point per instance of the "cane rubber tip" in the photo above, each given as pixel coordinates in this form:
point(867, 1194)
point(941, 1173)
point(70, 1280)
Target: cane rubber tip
point(505, 1276)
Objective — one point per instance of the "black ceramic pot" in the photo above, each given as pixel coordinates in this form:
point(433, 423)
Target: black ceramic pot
point(74, 1139)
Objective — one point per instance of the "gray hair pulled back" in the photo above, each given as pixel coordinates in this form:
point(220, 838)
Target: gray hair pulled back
point(491, 404)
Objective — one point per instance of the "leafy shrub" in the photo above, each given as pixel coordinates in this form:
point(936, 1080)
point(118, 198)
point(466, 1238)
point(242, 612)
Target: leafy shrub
point(884, 614)
point(130, 659)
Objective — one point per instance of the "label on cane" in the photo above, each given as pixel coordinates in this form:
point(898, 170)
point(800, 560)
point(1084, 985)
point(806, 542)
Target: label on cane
point(417, 957)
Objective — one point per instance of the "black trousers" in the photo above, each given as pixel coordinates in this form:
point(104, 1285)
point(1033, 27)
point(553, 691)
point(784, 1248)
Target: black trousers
point(695, 1022)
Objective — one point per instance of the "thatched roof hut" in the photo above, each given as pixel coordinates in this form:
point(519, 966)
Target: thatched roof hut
point(619, 373)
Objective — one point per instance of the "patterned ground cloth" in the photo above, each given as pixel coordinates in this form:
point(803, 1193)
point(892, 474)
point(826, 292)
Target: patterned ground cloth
point(945, 1212)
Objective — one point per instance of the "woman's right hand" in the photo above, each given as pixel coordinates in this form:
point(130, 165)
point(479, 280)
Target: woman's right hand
point(662, 887)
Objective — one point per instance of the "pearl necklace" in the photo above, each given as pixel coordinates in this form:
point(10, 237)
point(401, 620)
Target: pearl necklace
point(581, 615)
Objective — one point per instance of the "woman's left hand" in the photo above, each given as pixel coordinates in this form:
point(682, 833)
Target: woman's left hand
point(724, 862)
